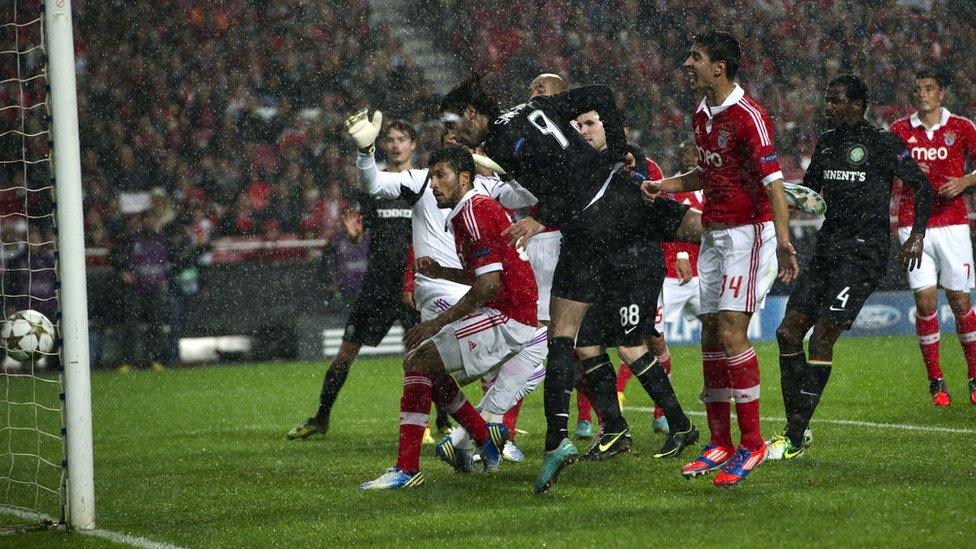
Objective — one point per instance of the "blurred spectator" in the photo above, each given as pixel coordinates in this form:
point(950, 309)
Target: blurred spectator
point(344, 259)
point(142, 258)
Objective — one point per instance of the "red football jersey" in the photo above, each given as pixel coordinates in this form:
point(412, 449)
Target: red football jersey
point(697, 201)
point(737, 159)
point(942, 149)
point(478, 222)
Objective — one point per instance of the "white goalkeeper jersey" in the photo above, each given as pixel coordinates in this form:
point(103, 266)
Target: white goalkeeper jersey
point(428, 221)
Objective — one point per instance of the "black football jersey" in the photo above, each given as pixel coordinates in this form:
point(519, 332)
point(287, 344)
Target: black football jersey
point(854, 168)
point(389, 224)
point(538, 144)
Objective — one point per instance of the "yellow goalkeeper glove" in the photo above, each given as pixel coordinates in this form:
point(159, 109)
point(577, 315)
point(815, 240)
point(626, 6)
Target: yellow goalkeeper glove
point(363, 131)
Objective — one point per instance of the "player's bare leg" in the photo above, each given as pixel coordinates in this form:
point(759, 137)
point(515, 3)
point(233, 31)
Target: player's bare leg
point(335, 378)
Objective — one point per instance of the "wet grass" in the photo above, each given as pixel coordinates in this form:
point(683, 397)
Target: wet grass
point(197, 457)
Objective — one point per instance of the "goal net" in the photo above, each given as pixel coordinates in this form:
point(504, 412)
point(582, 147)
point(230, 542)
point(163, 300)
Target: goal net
point(34, 418)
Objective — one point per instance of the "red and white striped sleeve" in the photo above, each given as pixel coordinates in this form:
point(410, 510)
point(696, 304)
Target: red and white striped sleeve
point(756, 131)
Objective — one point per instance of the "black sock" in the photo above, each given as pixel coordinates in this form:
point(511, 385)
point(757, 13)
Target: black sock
point(443, 419)
point(815, 378)
point(655, 381)
point(557, 388)
point(790, 377)
point(600, 381)
point(334, 379)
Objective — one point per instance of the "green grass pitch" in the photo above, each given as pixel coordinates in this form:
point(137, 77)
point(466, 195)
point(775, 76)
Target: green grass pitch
point(197, 457)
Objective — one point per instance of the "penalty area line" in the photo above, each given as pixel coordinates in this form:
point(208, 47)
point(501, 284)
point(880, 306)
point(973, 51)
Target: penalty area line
point(117, 537)
point(846, 422)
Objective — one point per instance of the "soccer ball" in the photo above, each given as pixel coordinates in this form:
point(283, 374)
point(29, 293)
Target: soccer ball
point(27, 335)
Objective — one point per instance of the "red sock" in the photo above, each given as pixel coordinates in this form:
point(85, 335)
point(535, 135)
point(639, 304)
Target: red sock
point(623, 376)
point(665, 360)
point(927, 328)
point(744, 374)
point(511, 418)
point(448, 395)
point(582, 405)
point(716, 395)
point(414, 412)
point(966, 327)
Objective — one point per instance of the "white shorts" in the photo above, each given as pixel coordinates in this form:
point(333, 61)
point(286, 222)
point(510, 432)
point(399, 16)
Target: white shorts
point(947, 259)
point(737, 267)
point(482, 341)
point(433, 296)
point(543, 252)
point(676, 300)
point(516, 378)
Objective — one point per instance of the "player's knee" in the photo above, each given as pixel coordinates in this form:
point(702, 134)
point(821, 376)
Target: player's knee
point(960, 303)
point(788, 338)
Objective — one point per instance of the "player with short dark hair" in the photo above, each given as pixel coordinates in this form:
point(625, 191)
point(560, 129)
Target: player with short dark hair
point(941, 142)
point(600, 211)
point(491, 326)
point(854, 166)
point(747, 237)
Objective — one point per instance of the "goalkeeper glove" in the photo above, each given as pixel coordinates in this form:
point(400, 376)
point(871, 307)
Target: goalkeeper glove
point(363, 131)
point(487, 163)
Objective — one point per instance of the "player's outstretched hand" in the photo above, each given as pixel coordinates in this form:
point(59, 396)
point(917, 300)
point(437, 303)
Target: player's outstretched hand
point(651, 190)
point(788, 267)
point(427, 266)
point(522, 230)
point(364, 131)
point(420, 333)
point(910, 255)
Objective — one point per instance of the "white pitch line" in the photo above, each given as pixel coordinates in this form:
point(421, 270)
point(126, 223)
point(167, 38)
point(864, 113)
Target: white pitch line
point(117, 537)
point(851, 422)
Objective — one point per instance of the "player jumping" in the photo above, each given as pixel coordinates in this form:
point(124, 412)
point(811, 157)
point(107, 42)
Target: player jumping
point(600, 211)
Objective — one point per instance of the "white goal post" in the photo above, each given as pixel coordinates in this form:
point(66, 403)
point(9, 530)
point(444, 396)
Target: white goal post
point(71, 249)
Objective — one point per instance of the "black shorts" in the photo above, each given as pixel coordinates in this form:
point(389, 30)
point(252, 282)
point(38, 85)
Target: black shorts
point(610, 226)
point(377, 307)
point(836, 287)
point(625, 311)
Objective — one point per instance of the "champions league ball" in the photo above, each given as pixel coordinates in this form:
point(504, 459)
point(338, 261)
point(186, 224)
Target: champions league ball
point(27, 335)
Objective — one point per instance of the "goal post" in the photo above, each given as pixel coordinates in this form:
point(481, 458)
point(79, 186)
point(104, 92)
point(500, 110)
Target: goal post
point(65, 152)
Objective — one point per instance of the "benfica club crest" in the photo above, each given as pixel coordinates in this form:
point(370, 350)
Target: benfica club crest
point(949, 138)
point(724, 133)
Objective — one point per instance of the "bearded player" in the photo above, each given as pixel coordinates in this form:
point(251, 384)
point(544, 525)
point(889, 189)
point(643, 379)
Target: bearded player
point(494, 323)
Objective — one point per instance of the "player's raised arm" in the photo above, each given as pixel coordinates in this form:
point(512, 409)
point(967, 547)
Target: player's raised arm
point(399, 141)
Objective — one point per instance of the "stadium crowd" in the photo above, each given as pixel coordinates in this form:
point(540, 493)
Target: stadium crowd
point(233, 112)
point(791, 49)
point(230, 111)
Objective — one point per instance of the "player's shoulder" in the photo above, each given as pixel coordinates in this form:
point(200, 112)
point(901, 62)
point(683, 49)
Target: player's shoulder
point(903, 124)
point(961, 122)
